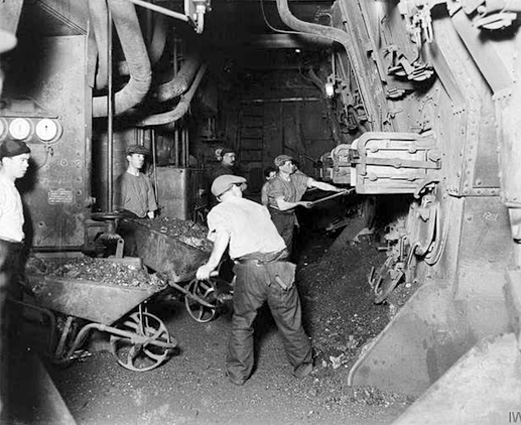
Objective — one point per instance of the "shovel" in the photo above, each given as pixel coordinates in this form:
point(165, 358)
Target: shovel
point(327, 198)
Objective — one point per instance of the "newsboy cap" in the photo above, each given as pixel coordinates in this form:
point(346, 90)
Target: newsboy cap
point(11, 148)
point(223, 183)
point(281, 159)
point(224, 151)
point(137, 149)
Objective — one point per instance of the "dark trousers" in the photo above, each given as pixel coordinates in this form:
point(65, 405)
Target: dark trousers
point(11, 268)
point(285, 224)
point(254, 285)
point(11, 275)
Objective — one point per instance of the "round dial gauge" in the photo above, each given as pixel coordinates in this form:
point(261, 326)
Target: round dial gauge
point(47, 129)
point(3, 128)
point(20, 128)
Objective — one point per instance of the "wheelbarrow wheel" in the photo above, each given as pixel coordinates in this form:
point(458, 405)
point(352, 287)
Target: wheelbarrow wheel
point(201, 301)
point(149, 347)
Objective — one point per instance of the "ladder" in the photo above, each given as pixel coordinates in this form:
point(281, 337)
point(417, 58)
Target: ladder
point(250, 144)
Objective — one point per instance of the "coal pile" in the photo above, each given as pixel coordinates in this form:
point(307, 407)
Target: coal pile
point(95, 269)
point(186, 231)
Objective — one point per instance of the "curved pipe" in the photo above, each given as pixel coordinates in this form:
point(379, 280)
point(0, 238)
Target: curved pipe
point(331, 33)
point(131, 38)
point(181, 81)
point(181, 108)
point(156, 47)
point(98, 14)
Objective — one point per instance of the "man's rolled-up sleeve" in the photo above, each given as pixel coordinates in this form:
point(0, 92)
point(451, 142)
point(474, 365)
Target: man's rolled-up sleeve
point(217, 221)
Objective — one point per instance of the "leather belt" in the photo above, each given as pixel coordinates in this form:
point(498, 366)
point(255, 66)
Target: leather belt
point(277, 211)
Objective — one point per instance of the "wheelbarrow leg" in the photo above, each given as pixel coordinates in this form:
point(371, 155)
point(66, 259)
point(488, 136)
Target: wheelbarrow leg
point(63, 338)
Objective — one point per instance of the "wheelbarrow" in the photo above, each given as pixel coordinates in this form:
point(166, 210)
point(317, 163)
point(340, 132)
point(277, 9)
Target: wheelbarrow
point(178, 258)
point(139, 340)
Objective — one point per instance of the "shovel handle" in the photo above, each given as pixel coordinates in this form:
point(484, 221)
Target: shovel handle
point(334, 195)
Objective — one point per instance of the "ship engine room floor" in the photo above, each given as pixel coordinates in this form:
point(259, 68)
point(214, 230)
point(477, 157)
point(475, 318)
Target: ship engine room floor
point(191, 387)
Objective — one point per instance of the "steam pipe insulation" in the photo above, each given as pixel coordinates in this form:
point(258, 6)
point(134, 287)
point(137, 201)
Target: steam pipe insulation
point(156, 46)
point(181, 81)
point(133, 45)
point(181, 108)
point(98, 14)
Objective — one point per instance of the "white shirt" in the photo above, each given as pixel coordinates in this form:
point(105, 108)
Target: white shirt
point(11, 212)
point(249, 226)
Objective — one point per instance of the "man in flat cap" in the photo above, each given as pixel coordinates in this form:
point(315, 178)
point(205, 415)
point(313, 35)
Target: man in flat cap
point(285, 192)
point(226, 165)
point(133, 193)
point(14, 162)
point(134, 196)
point(262, 274)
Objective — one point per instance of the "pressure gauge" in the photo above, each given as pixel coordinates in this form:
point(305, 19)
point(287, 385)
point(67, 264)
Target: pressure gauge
point(47, 129)
point(3, 128)
point(20, 128)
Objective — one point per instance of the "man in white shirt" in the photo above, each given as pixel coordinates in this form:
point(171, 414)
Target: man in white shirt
point(262, 274)
point(14, 162)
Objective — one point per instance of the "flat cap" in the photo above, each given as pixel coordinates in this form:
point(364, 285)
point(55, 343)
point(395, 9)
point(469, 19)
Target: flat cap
point(12, 148)
point(281, 159)
point(224, 151)
point(223, 183)
point(137, 149)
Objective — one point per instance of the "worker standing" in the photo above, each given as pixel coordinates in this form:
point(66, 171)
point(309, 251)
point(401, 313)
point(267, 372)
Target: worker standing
point(262, 274)
point(269, 174)
point(134, 196)
point(285, 192)
point(226, 165)
point(133, 193)
point(14, 162)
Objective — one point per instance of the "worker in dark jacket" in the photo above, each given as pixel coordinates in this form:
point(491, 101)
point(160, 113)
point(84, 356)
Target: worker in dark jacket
point(226, 165)
point(262, 274)
point(134, 194)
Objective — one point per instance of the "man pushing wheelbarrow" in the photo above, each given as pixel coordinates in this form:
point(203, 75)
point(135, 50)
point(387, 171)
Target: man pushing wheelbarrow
point(262, 274)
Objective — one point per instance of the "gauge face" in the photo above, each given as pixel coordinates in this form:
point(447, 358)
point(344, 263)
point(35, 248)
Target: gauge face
point(47, 129)
point(3, 128)
point(19, 128)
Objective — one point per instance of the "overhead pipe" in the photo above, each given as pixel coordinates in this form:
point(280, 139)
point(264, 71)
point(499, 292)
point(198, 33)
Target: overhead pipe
point(332, 33)
point(156, 46)
point(181, 81)
point(181, 108)
point(98, 14)
point(133, 45)
point(162, 10)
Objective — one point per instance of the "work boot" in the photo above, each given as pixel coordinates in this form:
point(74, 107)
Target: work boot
point(303, 370)
point(235, 381)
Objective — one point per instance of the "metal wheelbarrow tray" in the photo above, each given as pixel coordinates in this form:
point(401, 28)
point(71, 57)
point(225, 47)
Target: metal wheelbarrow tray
point(177, 248)
point(139, 340)
point(169, 254)
point(87, 299)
